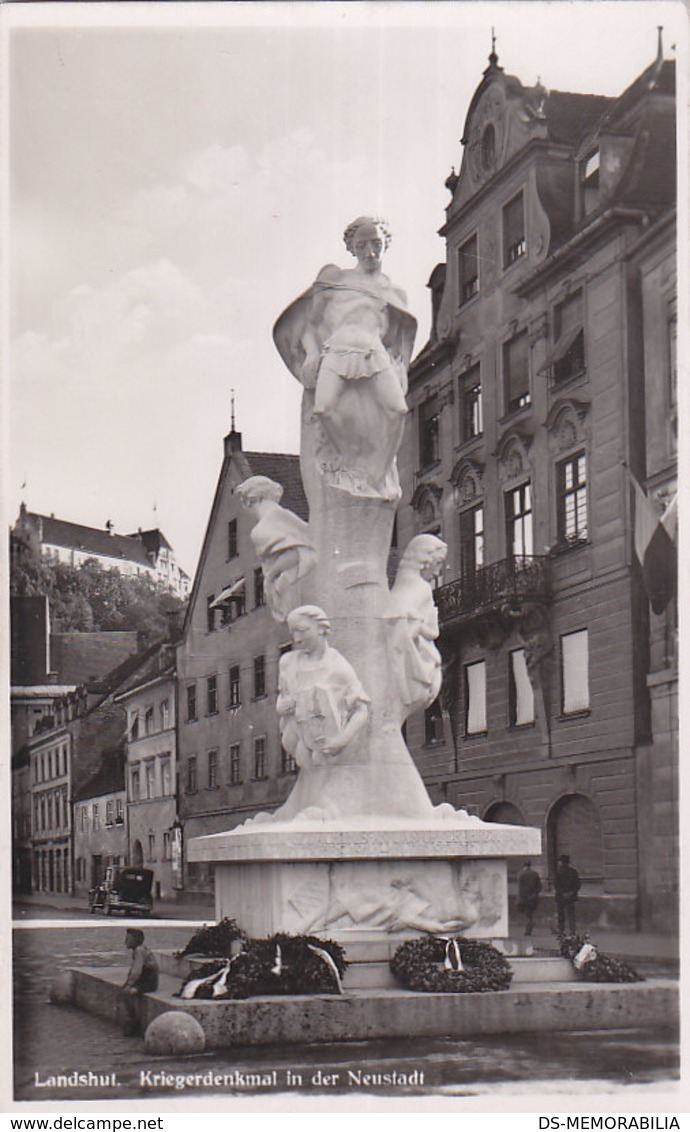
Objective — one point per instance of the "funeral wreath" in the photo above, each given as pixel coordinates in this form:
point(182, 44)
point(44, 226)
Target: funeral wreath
point(592, 965)
point(280, 965)
point(456, 965)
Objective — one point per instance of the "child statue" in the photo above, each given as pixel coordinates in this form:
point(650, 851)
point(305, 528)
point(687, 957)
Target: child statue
point(412, 621)
point(281, 540)
point(321, 702)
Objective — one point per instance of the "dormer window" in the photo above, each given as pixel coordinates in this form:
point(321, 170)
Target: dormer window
point(514, 239)
point(468, 270)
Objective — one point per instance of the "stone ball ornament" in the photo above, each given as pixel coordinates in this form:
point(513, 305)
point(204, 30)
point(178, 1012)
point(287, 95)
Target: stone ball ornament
point(174, 1032)
point(62, 988)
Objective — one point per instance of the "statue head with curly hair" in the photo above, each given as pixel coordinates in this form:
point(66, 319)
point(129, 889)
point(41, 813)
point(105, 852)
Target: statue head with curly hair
point(350, 233)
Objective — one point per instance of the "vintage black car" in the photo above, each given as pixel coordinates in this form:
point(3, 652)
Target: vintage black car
point(125, 890)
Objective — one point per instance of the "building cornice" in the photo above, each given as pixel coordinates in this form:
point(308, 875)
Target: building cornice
point(595, 230)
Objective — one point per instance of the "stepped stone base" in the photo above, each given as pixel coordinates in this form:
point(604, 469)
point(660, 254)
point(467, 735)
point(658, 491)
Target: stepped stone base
point(363, 1015)
point(443, 875)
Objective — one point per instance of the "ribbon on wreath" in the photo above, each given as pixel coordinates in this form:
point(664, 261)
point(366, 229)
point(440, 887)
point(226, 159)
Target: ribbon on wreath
point(453, 958)
point(330, 962)
point(218, 981)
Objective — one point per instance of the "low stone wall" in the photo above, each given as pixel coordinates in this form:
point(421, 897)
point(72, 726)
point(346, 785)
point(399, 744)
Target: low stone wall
point(370, 1014)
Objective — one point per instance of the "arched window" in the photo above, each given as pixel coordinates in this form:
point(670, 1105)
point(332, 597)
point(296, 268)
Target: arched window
point(574, 827)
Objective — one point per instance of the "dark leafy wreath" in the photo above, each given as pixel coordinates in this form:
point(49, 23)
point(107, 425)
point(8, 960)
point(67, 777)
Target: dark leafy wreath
point(218, 939)
point(280, 965)
point(419, 965)
point(603, 969)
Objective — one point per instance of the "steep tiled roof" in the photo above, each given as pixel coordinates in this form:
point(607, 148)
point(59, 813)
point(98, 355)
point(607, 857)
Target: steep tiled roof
point(60, 532)
point(284, 469)
point(109, 778)
point(570, 116)
point(124, 675)
point(152, 540)
point(78, 657)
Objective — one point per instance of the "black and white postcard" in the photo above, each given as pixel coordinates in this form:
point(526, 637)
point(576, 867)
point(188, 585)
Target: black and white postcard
point(343, 352)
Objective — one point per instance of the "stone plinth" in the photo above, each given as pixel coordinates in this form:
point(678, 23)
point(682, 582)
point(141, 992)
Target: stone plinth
point(387, 879)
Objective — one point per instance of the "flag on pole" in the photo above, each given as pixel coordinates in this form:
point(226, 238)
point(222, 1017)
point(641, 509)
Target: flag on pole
point(655, 547)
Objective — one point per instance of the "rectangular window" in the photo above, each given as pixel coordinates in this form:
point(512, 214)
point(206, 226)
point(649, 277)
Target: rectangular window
point(516, 372)
point(514, 242)
point(471, 541)
point(590, 181)
point(191, 774)
point(166, 844)
point(95, 817)
point(232, 539)
point(567, 358)
point(235, 764)
point(109, 812)
point(475, 698)
point(428, 433)
point(520, 692)
point(571, 487)
point(287, 762)
point(148, 721)
point(166, 777)
point(191, 703)
point(433, 724)
point(150, 777)
point(471, 419)
point(575, 672)
point(152, 846)
point(136, 784)
point(468, 270)
point(259, 598)
point(212, 769)
point(134, 726)
point(259, 677)
point(235, 697)
point(165, 715)
point(119, 811)
point(235, 603)
point(211, 695)
point(519, 521)
point(83, 819)
point(260, 758)
point(210, 613)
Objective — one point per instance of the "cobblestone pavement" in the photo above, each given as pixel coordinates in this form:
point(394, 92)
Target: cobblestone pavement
point(58, 1039)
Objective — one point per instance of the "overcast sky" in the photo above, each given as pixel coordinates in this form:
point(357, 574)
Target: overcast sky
point(179, 173)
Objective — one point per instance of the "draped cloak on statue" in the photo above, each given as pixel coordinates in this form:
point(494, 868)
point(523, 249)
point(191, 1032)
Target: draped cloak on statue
point(356, 443)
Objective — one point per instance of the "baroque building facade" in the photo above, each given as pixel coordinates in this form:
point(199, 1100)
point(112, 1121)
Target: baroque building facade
point(541, 404)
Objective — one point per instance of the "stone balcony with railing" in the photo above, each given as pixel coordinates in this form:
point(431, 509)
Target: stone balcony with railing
point(490, 590)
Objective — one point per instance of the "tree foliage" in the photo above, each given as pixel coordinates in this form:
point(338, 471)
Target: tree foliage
point(88, 598)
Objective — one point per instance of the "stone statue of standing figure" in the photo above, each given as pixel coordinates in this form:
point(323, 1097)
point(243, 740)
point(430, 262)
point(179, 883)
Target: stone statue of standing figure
point(349, 339)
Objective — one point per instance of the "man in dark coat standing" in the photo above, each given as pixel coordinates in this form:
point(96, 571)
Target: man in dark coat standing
point(529, 887)
point(567, 886)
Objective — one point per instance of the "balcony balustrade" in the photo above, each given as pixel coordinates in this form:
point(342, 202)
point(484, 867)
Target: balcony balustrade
point(510, 581)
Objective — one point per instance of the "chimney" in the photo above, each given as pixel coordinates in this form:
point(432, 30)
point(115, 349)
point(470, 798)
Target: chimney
point(232, 443)
point(109, 526)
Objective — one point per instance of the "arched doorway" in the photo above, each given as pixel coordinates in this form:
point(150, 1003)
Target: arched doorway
point(574, 827)
point(137, 854)
point(507, 813)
